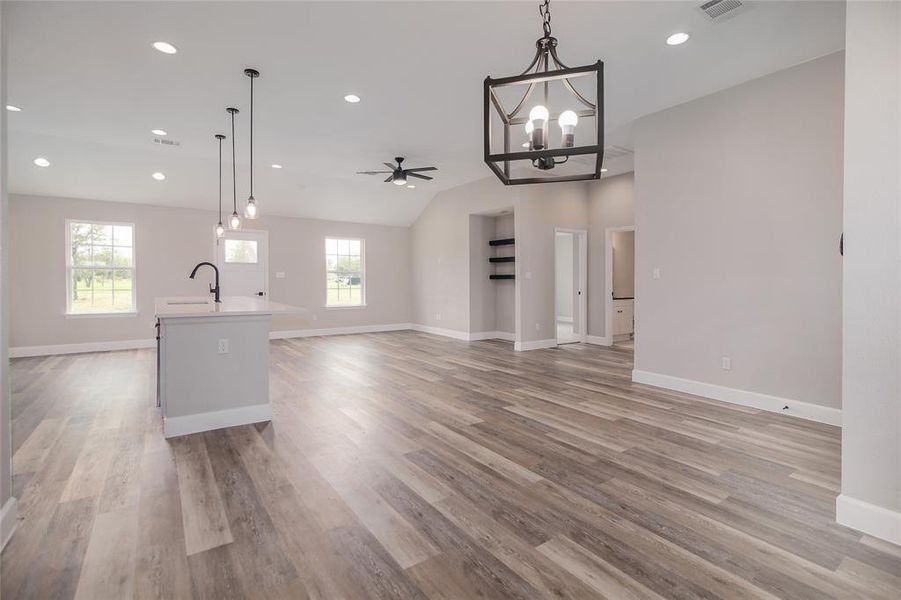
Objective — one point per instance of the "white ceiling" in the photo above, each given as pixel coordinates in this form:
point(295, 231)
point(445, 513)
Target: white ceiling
point(91, 88)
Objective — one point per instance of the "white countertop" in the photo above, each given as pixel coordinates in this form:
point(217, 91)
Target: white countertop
point(230, 306)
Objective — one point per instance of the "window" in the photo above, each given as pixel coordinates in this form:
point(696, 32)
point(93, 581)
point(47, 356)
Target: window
point(241, 251)
point(344, 273)
point(100, 268)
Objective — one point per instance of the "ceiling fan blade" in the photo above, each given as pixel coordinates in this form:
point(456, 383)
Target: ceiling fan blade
point(373, 172)
point(421, 169)
point(390, 166)
point(418, 176)
point(390, 178)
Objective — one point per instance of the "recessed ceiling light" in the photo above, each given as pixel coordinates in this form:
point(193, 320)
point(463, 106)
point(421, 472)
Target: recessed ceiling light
point(165, 47)
point(411, 186)
point(352, 98)
point(603, 170)
point(158, 176)
point(12, 108)
point(158, 132)
point(42, 162)
point(276, 166)
point(677, 38)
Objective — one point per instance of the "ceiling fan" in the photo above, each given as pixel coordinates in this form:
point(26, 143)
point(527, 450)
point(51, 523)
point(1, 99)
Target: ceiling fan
point(398, 175)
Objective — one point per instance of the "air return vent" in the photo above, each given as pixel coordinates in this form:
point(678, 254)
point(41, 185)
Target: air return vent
point(164, 142)
point(720, 10)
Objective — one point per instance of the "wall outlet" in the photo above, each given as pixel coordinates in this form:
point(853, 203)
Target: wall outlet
point(655, 274)
point(223, 346)
point(537, 326)
point(726, 363)
point(279, 274)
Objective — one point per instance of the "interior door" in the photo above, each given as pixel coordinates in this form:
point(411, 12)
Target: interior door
point(243, 261)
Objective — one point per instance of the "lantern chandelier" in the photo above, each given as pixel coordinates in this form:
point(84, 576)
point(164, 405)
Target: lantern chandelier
point(542, 151)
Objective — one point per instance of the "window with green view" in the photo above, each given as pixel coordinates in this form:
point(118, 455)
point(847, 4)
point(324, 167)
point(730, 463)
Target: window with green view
point(344, 278)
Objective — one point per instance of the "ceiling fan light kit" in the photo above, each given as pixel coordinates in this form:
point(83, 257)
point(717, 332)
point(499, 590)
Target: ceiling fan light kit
point(542, 152)
point(398, 175)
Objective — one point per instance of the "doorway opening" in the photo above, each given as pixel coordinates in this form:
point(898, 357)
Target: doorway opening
point(620, 313)
point(243, 261)
point(570, 284)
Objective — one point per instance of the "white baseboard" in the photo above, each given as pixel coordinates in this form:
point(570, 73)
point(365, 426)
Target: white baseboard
point(598, 340)
point(534, 345)
point(7, 521)
point(26, 351)
point(492, 335)
point(302, 333)
point(796, 408)
point(451, 333)
point(245, 415)
point(871, 519)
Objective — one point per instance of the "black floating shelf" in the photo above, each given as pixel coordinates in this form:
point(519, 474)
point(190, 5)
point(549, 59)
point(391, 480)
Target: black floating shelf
point(502, 277)
point(503, 242)
point(497, 259)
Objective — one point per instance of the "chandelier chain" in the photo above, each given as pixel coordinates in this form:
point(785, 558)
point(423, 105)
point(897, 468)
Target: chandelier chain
point(545, 11)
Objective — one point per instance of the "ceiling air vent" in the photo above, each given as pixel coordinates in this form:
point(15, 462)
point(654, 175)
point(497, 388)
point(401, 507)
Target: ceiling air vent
point(163, 142)
point(720, 10)
point(614, 152)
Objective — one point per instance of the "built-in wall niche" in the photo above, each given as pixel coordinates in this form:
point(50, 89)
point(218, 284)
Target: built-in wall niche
point(502, 246)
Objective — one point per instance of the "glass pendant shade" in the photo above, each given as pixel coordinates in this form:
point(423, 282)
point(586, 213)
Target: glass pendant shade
point(220, 229)
point(250, 209)
point(234, 222)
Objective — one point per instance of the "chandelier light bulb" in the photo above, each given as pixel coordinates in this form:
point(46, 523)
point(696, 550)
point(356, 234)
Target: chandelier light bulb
point(538, 117)
point(568, 120)
point(220, 230)
point(250, 211)
point(234, 222)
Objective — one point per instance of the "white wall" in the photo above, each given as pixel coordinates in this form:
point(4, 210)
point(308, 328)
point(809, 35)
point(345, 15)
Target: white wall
point(871, 369)
point(504, 289)
point(611, 203)
point(564, 275)
point(623, 264)
point(169, 242)
point(482, 296)
point(738, 203)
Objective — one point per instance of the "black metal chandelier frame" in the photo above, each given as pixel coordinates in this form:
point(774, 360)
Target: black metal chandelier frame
point(540, 74)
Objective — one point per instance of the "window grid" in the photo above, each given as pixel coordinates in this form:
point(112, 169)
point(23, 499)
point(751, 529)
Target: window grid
point(100, 255)
point(345, 272)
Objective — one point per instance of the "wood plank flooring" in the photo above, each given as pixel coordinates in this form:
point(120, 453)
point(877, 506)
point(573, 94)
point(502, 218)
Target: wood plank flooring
point(405, 465)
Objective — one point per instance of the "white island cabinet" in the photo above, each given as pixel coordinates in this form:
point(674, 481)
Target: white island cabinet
point(213, 362)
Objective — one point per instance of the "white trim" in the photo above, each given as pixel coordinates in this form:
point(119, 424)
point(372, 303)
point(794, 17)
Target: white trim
point(598, 340)
point(451, 333)
point(492, 335)
point(534, 345)
point(263, 237)
point(362, 241)
point(102, 315)
point(608, 280)
point(869, 518)
point(8, 521)
point(564, 319)
point(134, 266)
point(232, 417)
point(304, 333)
point(25, 351)
point(796, 408)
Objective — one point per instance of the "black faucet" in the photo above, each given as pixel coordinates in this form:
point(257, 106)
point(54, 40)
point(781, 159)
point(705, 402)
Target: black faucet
point(213, 290)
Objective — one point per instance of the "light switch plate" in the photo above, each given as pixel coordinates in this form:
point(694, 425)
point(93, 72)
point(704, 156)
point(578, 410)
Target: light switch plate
point(655, 274)
point(223, 346)
point(726, 363)
point(279, 274)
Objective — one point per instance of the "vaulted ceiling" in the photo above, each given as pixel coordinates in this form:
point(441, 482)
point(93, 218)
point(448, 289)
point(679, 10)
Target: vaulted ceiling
point(91, 88)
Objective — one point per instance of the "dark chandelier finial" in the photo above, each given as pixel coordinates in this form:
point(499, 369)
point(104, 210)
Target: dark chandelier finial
point(544, 69)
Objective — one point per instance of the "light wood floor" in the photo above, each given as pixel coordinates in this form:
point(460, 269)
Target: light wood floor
point(404, 465)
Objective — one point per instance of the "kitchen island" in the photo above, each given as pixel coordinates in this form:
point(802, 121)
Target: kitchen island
point(213, 361)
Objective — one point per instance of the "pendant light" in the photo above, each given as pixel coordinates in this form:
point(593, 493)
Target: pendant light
point(220, 229)
point(234, 221)
point(251, 210)
point(544, 151)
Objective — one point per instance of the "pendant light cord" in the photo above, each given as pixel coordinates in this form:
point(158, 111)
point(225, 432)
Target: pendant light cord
point(234, 170)
point(220, 179)
point(251, 137)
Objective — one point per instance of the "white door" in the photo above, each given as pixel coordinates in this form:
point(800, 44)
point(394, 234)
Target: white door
point(243, 261)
